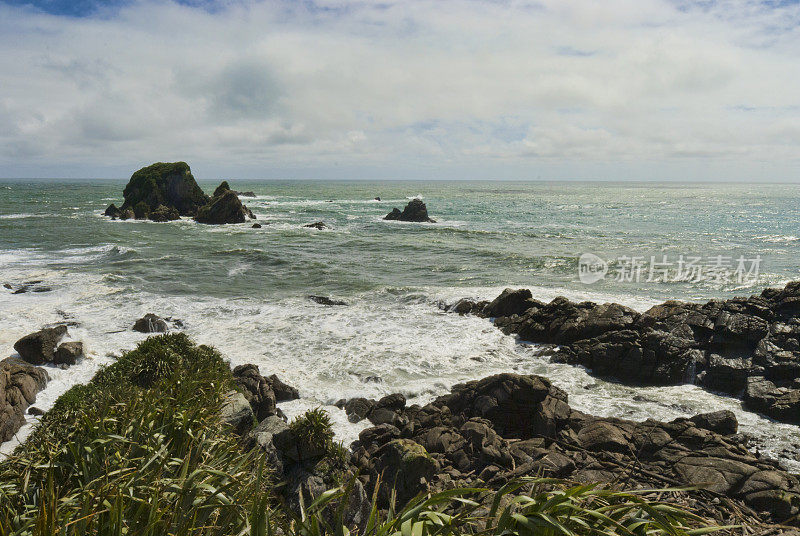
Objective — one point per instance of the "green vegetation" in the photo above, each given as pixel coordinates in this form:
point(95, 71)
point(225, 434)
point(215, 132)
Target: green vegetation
point(168, 184)
point(141, 450)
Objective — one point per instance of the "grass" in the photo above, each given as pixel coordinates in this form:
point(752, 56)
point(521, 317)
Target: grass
point(141, 450)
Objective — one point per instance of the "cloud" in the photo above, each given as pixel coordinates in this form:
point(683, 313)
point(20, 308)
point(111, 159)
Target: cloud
point(399, 88)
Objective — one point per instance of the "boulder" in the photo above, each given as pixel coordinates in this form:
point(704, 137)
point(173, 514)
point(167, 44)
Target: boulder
point(68, 353)
point(722, 422)
point(358, 409)
point(237, 413)
point(406, 468)
point(415, 211)
point(225, 208)
point(168, 184)
point(19, 384)
point(151, 323)
point(780, 403)
point(283, 392)
point(39, 348)
point(256, 226)
point(163, 213)
point(510, 302)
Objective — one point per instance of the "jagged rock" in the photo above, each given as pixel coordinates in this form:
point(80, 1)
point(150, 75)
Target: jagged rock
point(237, 413)
point(39, 348)
point(168, 184)
point(722, 344)
point(415, 211)
point(126, 214)
point(358, 409)
point(112, 211)
point(19, 384)
point(222, 188)
point(163, 213)
point(246, 194)
point(29, 286)
point(68, 353)
point(491, 431)
point(151, 323)
point(225, 208)
point(320, 225)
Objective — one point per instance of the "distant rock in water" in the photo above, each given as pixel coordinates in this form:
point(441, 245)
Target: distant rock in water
point(246, 194)
point(112, 211)
point(320, 225)
point(256, 226)
point(169, 184)
point(324, 300)
point(415, 211)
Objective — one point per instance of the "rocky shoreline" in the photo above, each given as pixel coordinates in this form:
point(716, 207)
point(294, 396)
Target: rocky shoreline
point(744, 347)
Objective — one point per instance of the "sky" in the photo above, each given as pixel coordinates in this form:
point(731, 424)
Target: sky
point(407, 89)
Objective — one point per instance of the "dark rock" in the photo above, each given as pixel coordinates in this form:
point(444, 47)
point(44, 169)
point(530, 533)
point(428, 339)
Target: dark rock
point(358, 409)
point(29, 286)
point(510, 302)
point(168, 184)
point(112, 211)
point(415, 211)
point(163, 213)
point(126, 214)
point(324, 300)
point(377, 199)
point(283, 392)
point(33, 410)
point(8, 286)
point(317, 225)
point(39, 348)
point(256, 389)
point(395, 402)
point(222, 188)
point(246, 194)
point(781, 403)
point(68, 353)
point(406, 468)
point(151, 323)
point(256, 226)
point(19, 384)
point(722, 422)
point(225, 208)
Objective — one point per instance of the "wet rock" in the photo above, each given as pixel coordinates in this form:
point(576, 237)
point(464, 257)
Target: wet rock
point(283, 392)
point(33, 410)
point(39, 348)
point(320, 225)
point(112, 211)
point(246, 194)
point(510, 302)
point(256, 226)
point(415, 211)
point(377, 199)
point(68, 353)
point(324, 300)
point(126, 214)
point(29, 286)
point(151, 323)
point(19, 384)
point(781, 403)
point(722, 422)
point(358, 409)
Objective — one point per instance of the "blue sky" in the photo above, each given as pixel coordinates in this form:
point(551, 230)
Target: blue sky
point(514, 89)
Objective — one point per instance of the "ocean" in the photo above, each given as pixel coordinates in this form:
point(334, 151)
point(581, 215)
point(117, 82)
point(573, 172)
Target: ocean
point(246, 290)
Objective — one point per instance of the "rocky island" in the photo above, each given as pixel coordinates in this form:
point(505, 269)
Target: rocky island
point(166, 191)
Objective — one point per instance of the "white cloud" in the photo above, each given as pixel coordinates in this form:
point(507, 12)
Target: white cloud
point(452, 88)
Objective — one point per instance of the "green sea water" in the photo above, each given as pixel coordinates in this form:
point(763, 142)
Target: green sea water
point(246, 290)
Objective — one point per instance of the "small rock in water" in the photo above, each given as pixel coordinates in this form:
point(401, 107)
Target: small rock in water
point(317, 225)
point(33, 410)
point(377, 198)
point(8, 286)
point(68, 353)
point(40, 347)
point(256, 226)
point(324, 300)
point(151, 323)
point(415, 211)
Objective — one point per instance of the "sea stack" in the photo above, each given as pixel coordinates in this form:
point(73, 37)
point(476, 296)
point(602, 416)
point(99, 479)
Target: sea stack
point(161, 187)
point(415, 211)
point(224, 207)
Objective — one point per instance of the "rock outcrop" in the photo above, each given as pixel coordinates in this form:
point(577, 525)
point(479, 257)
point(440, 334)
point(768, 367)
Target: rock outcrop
point(415, 211)
point(747, 347)
point(169, 184)
point(40, 347)
point(224, 207)
point(151, 323)
point(262, 393)
point(19, 384)
point(490, 431)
